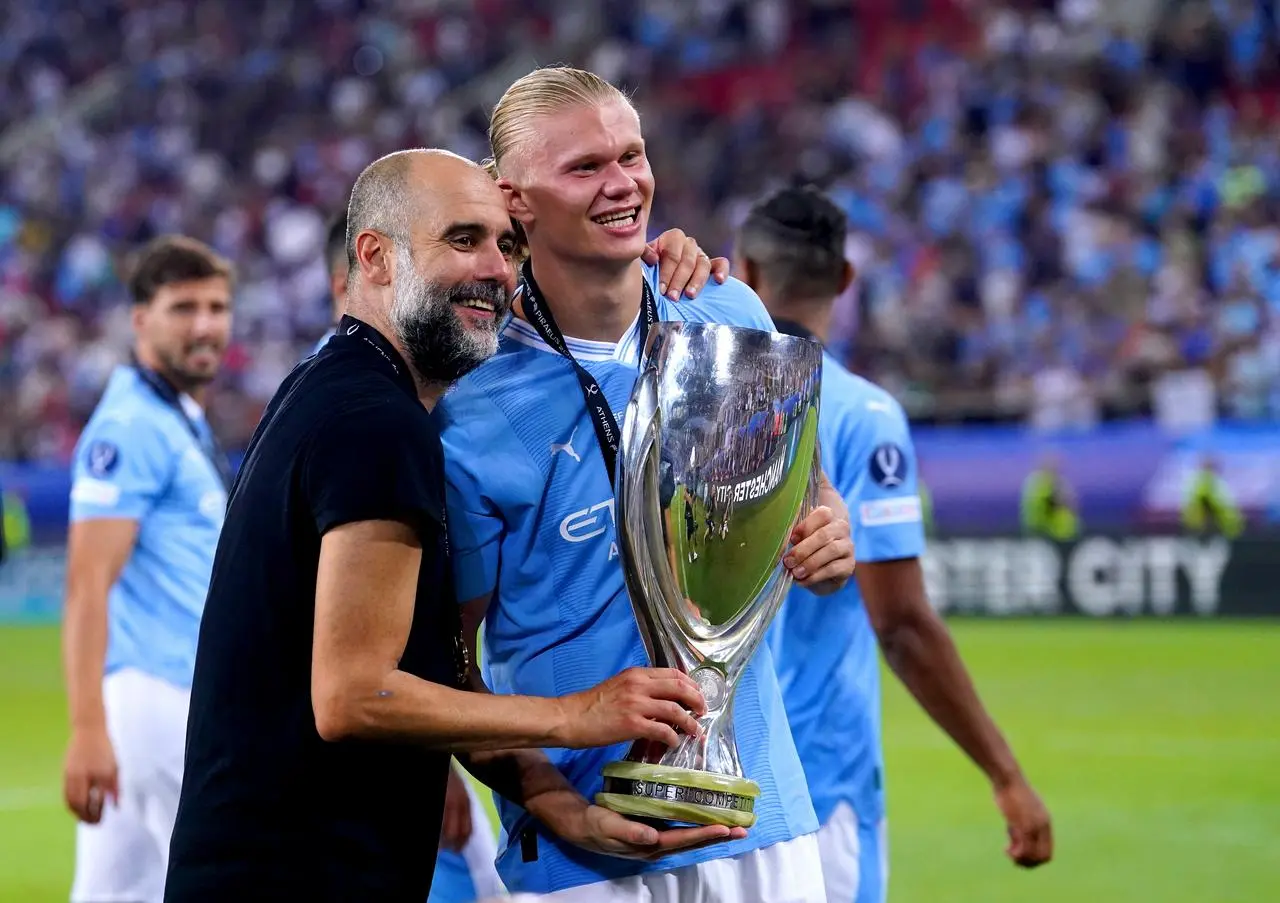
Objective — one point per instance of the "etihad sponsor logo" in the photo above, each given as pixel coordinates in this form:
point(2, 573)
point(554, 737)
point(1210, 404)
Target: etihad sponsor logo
point(588, 523)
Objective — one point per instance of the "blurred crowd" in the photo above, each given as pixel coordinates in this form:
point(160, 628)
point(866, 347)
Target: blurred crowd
point(1062, 212)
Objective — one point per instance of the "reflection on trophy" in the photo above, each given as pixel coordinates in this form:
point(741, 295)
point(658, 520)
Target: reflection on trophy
point(718, 463)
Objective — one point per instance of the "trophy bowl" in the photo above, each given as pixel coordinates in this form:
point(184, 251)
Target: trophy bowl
point(718, 462)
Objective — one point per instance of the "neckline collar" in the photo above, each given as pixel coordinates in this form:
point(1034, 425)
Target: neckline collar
point(360, 335)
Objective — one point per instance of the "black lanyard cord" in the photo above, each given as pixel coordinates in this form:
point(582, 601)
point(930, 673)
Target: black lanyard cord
point(540, 317)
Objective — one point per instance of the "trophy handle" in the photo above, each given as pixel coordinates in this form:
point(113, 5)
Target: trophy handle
point(637, 470)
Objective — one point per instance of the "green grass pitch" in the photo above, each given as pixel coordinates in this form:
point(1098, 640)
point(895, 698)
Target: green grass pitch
point(1156, 745)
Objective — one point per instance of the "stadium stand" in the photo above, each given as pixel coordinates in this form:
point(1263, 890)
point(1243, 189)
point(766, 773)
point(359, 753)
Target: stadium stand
point(1064, 212)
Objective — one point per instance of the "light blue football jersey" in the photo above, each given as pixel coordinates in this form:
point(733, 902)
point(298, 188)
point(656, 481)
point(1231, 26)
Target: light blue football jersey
point(139, 459)
point(531, 520)
point(826, 653)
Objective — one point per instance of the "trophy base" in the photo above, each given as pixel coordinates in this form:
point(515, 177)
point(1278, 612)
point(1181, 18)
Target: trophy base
point(678, 795)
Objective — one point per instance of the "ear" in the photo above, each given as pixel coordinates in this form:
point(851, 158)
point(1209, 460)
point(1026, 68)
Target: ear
point(373, 257)
point(517, 206)
point(846, 277)
point(137, 316)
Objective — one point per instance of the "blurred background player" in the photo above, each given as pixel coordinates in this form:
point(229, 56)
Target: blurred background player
point(791, 251)
point(147, 499)
point(15, 524)
point(1208, 506)
point(337, 267)
point(1049, 507)
point(526, 515)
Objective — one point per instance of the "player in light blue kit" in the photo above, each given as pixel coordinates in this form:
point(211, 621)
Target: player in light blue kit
point(531, 500)
point(149, 487)
point(791, 251)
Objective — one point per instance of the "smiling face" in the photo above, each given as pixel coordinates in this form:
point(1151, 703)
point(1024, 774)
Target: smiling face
point(582, 187)
point(452, 281)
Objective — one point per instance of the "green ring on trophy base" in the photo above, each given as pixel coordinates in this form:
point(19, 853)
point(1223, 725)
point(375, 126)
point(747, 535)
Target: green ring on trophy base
point(678, 794)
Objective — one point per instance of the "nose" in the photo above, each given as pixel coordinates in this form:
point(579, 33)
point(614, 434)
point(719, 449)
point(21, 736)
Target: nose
point(209, 322)
point(618, 183)
point(492, 265)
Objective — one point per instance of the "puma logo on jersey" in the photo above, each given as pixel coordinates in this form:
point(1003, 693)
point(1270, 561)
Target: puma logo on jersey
point(566, 447)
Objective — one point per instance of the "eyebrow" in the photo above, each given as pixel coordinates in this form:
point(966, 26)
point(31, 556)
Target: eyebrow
point(634, 147)
point(475, 228)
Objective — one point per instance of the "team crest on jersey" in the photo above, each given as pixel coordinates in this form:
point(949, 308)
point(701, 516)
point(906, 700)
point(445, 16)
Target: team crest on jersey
point(888, 466)
point(102, 458)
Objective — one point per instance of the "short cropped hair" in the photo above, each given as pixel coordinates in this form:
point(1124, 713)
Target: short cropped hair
point(169, 259)
point(796, 236)
point(379, 201)
point(543, 91)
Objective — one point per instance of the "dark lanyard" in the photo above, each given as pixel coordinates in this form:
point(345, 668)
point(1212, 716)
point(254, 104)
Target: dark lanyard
point(535, 308)
point(207, 441)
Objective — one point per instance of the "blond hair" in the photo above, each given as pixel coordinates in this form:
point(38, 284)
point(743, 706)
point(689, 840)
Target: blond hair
point(541, 92)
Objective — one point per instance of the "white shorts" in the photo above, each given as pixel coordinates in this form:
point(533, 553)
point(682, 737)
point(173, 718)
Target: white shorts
point(481, 851)
point(855, 858)
point(123, 858)
point(789, 872)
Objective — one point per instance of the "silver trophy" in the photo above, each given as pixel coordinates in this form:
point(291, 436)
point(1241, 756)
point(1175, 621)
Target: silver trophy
point(718, 462)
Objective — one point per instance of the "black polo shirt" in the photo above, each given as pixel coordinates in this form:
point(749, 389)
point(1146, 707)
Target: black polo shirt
point(268, 809)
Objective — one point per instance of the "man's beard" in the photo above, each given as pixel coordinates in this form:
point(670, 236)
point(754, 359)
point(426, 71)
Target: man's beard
point(181, 377)
point(440, 348)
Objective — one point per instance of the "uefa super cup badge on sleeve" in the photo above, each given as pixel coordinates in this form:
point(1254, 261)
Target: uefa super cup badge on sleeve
point(718, 463)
